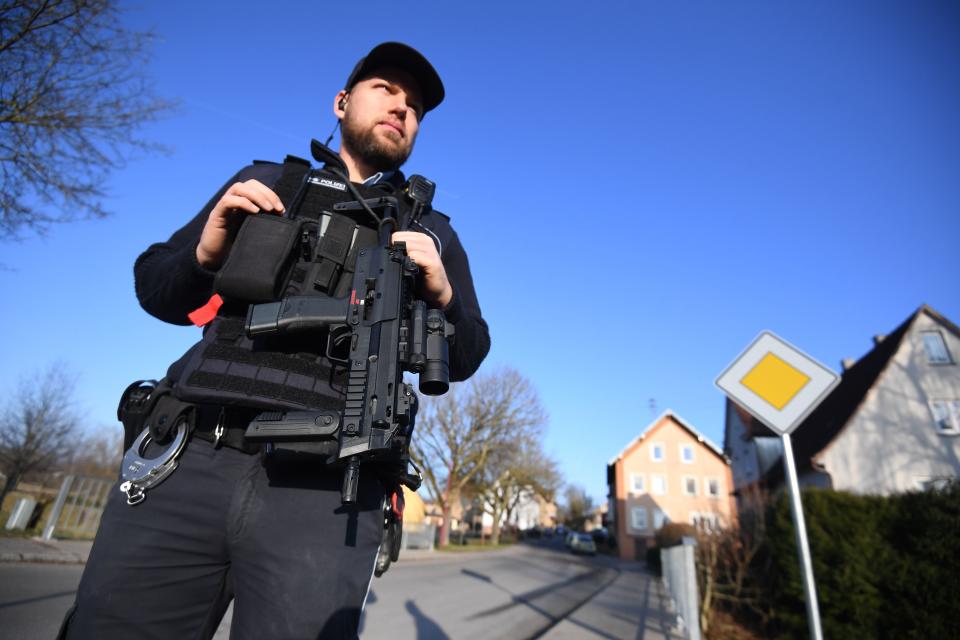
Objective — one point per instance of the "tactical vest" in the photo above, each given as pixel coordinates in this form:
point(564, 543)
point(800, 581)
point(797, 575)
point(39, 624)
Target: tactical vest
point(310, 250)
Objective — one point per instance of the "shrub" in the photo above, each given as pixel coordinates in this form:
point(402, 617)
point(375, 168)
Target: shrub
point(923, 575)
point(672, 533)
point(884, 567)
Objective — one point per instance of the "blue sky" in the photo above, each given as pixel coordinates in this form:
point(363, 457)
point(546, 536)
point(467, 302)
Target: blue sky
point(641, 187)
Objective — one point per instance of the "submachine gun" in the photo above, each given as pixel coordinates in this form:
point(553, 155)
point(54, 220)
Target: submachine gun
point(376, 332)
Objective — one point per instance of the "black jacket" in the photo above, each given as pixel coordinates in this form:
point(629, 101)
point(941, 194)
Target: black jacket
point(170, 283)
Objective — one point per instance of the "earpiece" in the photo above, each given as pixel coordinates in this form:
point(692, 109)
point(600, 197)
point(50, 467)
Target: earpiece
point(343, 104)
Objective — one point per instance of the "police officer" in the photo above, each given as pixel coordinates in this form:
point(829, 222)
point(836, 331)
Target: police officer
point(231, 523)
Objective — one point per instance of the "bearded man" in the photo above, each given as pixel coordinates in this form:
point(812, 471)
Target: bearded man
point(236, 521)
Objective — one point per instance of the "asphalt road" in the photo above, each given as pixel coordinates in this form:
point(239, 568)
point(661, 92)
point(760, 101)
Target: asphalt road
point(34, 598)
point(517, 593)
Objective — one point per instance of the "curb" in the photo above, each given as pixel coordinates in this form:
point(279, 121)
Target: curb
point(60, 556)
point(437, 557)
point(50, 558)
point(37, 550)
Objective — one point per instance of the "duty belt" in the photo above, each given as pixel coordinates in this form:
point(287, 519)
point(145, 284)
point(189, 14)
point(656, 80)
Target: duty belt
point(225, 426)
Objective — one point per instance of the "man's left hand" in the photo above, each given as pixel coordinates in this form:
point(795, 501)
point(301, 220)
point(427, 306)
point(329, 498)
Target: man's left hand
point(421, 249)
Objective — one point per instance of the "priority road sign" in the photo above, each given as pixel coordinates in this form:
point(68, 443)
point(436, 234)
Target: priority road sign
point(780, 385)
point(776, 382)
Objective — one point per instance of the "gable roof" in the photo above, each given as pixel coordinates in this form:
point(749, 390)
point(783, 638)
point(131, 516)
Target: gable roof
point(653, 425)
point(826, 422)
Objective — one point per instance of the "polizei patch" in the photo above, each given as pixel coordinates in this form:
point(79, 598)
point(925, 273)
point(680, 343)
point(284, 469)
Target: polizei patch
point(330, 184)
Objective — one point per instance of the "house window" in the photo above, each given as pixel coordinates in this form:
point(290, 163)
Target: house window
point(933, 484)
point(659, 518)
point(689, 486)
point(637, 485)
point(656, 452)
point(936, 348)
point(946, 415)
point(686, 453)
point(638, 518)
point(713, 487)
point(658, 485)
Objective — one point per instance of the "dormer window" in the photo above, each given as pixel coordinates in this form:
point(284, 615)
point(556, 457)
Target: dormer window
point(936, 348)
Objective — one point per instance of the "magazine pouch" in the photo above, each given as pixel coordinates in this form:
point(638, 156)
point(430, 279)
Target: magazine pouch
point(260, 259)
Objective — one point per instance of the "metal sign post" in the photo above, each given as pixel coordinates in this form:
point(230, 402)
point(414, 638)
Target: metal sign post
point(800, 527)
point(780, 385)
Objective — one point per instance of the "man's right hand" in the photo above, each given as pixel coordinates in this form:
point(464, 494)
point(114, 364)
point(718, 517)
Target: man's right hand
point(224, 220)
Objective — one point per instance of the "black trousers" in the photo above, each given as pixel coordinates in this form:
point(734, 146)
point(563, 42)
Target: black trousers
point(226, 525)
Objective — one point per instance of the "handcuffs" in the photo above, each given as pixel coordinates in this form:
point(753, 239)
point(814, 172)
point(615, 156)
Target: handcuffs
point(140, 474)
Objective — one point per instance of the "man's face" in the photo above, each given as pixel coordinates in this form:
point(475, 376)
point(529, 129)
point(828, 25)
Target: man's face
point(381, 118)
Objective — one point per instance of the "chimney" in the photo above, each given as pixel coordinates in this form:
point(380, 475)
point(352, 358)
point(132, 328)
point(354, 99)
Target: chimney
point(846, 363)
point(877, 339)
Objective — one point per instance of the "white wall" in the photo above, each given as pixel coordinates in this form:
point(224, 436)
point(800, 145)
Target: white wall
point(891, 442)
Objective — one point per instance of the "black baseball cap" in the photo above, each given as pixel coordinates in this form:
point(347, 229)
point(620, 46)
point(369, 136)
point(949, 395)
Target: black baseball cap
point(401, 56)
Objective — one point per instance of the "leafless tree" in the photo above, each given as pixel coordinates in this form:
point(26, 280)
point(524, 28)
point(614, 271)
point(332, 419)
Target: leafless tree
point(458, 433)
point(98, 454)
point(578, 506)
point(728, 559)
point(37, 426)
point(519, 469)
point(73, 95)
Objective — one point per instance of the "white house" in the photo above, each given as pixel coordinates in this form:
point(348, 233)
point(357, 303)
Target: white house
point(891, 425)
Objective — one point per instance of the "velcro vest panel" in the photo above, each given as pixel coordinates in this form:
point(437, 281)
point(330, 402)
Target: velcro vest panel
point(314, 253)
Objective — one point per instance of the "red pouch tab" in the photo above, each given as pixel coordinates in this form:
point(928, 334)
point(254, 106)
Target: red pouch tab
point(398, 503)
point(205, 314)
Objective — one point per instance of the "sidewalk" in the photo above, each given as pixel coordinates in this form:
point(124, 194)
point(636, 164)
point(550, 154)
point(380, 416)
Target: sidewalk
point(633, 606)
point(38, 550)
point(14, 549)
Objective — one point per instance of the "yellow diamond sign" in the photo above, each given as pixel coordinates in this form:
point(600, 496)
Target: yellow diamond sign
point(776, 382)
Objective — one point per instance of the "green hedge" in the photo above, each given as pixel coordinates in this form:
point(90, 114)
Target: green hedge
point(885, 567)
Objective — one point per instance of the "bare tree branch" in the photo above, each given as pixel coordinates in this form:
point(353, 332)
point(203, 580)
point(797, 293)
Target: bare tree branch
point(37, 426)
point(577, 507)
point(518, 469)
point(459, 434)
point(73, 95)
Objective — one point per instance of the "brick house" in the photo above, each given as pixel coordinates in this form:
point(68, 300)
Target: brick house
point(671, 472)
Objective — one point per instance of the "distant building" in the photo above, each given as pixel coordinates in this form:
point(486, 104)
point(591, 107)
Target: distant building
point(415, 508)
point(530, 510)
point(671, 472)
point(598, 518)
point(548, 512)
point(433, 515)
point(891, 425)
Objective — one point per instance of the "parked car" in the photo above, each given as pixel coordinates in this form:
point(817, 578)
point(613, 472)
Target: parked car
point(600, 535)
point(582, 543)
